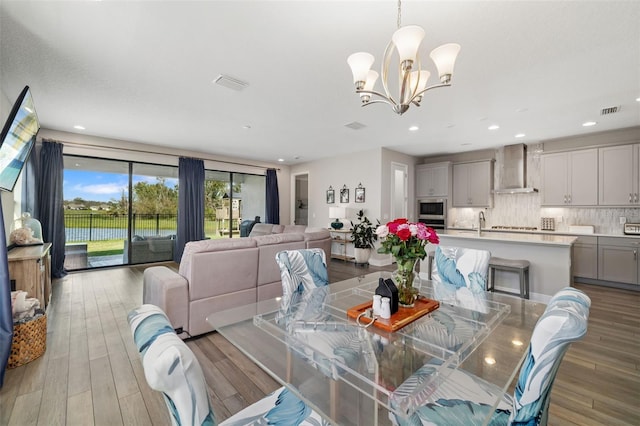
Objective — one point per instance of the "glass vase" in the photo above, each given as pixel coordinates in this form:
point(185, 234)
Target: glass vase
point(408, 282)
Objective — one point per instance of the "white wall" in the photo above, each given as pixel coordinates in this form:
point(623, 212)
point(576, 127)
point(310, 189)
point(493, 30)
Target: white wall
point(350, 170)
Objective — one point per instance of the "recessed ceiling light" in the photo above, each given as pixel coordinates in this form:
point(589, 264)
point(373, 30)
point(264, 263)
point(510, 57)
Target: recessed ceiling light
point(413, 128)
point(520, 135)
point(494, 127)
point(78, 127)
point(637, 99)
point(589, 123)
point(281, 159)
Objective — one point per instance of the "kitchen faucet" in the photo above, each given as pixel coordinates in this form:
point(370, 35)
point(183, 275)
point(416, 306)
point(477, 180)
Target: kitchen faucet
point(481, 220)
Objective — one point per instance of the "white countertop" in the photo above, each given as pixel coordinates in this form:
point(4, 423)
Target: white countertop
point(516, 237)
point(538, 232)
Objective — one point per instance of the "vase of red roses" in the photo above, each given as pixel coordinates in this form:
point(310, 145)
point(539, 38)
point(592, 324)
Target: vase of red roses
point(406, 242)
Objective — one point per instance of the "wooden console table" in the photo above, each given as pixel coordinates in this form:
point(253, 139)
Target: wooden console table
point(30, 268)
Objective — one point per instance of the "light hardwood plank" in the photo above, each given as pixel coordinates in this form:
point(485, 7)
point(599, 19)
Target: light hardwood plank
point(26, 409)
point(105, 400)
point(54, 392)
point(80, 409)
point(134, 412)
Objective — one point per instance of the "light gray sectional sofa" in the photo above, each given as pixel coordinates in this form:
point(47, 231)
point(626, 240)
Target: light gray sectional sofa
point(226, 273)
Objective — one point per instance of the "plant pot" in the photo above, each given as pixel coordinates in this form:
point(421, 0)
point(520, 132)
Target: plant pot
point(362, 255)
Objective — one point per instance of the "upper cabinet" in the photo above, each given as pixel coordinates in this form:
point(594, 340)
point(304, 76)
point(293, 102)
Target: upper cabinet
point(472, 184)
point(619, 176)
point(570, 178)
point(432, 180)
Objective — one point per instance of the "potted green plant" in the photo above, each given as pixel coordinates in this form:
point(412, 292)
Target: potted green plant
point(363, 236)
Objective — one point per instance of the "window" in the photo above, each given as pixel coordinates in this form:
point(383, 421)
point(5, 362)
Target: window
point(120, 212)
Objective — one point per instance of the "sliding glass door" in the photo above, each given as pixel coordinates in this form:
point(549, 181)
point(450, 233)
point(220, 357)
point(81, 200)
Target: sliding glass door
point(96, 207)
point(154, 213)
point(123, 213)
point(230, 199)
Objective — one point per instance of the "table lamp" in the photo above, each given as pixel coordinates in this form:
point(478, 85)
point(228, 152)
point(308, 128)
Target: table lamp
point(338, 213)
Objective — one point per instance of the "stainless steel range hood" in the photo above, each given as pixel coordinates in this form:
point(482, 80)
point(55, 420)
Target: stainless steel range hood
point(512, 176)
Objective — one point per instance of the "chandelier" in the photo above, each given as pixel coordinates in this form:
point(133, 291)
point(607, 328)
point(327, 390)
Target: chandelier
point(412, 80)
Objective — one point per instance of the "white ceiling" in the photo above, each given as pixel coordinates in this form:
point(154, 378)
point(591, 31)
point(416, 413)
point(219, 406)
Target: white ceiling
point(143, 72)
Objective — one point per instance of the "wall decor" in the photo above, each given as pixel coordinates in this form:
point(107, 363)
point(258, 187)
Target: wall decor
point(360, 194)
point(344, 194)
point(331, 195)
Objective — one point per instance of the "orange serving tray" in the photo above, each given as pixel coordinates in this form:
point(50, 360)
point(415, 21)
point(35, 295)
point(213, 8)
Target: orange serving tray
point(398, 320)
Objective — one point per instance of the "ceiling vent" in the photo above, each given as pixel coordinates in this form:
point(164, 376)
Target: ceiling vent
point(354, 125)
point(231, 83)
point(610, 110)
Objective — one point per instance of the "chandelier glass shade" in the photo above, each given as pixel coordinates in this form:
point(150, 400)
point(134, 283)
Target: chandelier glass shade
point(412, 80)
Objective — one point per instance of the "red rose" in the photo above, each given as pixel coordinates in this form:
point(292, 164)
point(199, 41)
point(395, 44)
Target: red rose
point(433, 237)
point(393, 226)
point(404, 234)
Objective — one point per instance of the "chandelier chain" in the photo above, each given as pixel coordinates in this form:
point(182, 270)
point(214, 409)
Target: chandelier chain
point(399, 14)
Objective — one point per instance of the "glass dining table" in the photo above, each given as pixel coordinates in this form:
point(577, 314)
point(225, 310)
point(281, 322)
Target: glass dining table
point(357, 375)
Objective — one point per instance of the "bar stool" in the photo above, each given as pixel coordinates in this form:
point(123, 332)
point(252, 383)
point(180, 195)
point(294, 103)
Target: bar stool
point(510, 265)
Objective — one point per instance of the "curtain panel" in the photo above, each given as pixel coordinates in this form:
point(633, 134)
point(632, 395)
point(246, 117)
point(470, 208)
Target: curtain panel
point(6, 317)
point(272, 198)
point(49, 202)
point(190, 203)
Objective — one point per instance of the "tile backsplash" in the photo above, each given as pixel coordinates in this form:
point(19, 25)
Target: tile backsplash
point(525, 209)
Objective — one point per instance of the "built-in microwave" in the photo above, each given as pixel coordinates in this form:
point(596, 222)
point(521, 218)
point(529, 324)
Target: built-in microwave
point(433, 212)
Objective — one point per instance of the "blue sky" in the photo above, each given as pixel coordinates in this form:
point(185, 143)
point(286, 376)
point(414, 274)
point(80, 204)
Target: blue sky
point(98, 186)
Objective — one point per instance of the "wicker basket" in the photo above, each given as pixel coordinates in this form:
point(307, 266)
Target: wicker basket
point(29, 341)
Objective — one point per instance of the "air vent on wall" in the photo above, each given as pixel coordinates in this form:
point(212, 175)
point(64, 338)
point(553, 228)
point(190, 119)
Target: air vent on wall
point(230, 82)
point(355, 125)
point(610, 110)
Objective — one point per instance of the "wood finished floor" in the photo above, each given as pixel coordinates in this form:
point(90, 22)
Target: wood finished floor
point(91, 372)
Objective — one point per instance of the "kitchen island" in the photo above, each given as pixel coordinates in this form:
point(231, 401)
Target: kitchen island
point(549, 257)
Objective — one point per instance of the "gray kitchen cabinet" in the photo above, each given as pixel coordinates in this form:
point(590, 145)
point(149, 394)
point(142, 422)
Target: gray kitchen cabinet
point(472, 184)
point(618, 259)
point(619, 178)
point(570, 178)
point(432, 180)
point(585, 257)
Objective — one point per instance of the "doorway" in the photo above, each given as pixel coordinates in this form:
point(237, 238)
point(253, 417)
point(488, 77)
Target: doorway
point(399, 176)
point(301, 199)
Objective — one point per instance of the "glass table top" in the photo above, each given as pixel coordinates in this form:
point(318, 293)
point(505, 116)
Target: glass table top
point(337, 365)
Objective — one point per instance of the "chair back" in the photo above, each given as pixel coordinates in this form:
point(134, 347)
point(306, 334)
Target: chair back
point(563, 322)
point(301, 271)
point(170, 367)
point(459, 276)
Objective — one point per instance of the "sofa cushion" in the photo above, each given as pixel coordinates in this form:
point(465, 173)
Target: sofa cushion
point(267, 240)
point(318, 235)
point(203, 246)
point(261, 229)
point(288, 229)
point(269, 245)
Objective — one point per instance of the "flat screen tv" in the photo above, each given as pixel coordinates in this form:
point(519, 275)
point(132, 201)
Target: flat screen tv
point(18, 137)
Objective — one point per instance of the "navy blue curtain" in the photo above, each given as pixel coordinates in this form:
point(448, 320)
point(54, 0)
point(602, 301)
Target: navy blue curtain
point(190, 203)
point(49, 201)
point(272, 198)
point(6, 318)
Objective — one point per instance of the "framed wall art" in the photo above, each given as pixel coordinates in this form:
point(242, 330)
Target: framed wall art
point(331, 195)
point(344, 194)
point(360, 194)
